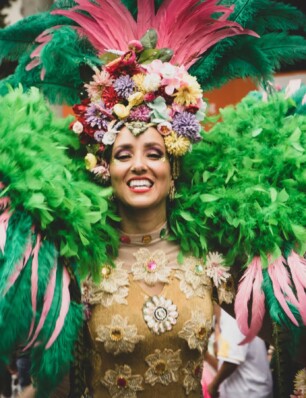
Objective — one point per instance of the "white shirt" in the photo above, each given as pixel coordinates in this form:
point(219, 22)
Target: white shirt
point(252, 378)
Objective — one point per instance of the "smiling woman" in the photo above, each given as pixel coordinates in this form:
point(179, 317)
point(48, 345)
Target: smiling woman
point(141, 176)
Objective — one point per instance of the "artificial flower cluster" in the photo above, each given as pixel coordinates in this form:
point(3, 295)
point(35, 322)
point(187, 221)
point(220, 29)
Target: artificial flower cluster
point(127, 92)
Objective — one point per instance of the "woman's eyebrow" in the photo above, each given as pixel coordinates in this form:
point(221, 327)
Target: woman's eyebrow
point(123, 146)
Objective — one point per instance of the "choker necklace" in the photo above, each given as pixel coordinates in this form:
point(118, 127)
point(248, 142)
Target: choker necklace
point(144, 239)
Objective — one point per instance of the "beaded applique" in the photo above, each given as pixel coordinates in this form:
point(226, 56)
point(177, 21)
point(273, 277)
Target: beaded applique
point(112, 288)
point(215, 268)
point(160, 314)
point(193, 278)
point(196, 331)
point(163, 367)
point(119, 336)
point(192, 376)
point(121, 383)
point(151, 267)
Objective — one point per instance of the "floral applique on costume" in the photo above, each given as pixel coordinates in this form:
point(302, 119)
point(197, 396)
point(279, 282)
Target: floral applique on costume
point(118, 337)
point(121, 383)
point(151, 267)
point(192, 376)
point(112, 288)
point(163, 367)
point(160, 314)
point(196, 331)
point(193, 277)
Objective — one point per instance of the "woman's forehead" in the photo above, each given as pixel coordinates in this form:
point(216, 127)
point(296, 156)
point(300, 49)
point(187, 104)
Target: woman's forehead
point(149, 137)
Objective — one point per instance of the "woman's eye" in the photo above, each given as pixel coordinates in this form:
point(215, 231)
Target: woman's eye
point(123, 156)
point(155, 155)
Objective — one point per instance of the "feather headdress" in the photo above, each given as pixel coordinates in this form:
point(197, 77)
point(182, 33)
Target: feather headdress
point(218, 41)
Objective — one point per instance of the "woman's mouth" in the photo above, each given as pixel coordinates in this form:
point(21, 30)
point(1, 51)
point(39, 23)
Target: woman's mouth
point(140, 185)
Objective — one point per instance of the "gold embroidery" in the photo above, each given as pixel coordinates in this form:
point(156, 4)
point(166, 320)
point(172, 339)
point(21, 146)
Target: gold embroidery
point(215, 268)
point(196, 331)
point(151, 267)
point(226, 291)
point(121, 383)
point(112, 288)
point(192, 376)
point(119, 336)
point(163, 367)
point(193, 278)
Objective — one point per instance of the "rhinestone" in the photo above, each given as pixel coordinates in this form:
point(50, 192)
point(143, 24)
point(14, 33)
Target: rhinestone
point(160, 367)
point(199, 269)
point(106, 271)
point(146, 239)
point(116, 334)
point(151, 266)
point(122, 382)
point(201, 334)
point(163, 233)
point(125, 239)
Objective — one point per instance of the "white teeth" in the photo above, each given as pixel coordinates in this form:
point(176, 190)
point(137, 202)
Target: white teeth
point(140, 183)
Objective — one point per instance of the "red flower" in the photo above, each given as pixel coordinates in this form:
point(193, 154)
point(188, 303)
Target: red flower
point(125, 65)
point(110, 97)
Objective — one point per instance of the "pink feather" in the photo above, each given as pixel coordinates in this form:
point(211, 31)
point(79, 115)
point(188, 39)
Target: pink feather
point(46, 307)
point(258, 305)
point(282, 288)
point(64, 308)
point(4, 221)
point(34, 281)
point(4, 202)
point(31, 65)
point(19, 268)
point(250, 285)
point(297, 265)
point(145, 16)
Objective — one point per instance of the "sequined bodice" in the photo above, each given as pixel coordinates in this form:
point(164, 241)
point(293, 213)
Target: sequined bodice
point(149, 324)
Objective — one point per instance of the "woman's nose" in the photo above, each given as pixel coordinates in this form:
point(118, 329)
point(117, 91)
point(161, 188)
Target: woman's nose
point(139, 164)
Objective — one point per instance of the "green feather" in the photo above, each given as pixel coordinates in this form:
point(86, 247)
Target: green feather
point(54, 189)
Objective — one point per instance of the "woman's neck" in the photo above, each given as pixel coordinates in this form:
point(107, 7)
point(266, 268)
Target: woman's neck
point(141, 221)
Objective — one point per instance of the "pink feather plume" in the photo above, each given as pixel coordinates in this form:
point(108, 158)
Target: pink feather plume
point(145, 16)
point(46, 307)
point(250, 287)
point(282, 287)
point(64, 308)
point(34, 281)
point(297, 266)
point(4, 221)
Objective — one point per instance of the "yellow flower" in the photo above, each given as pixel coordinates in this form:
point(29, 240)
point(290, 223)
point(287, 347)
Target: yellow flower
point(90, 161)
point(135, 99)
point(121, 111)
point(138, 80)
point(189, 92)
point(176, 145)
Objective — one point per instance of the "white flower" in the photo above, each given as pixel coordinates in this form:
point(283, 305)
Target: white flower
point(215, 268)
point(151, 267)
point(151, 82)
point(119, 336)
point(77, 127)
point(168, 70)
point(109, 138)
point(159, 314)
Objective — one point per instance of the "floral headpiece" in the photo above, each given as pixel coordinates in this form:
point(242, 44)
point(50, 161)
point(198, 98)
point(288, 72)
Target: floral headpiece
point(137, 91)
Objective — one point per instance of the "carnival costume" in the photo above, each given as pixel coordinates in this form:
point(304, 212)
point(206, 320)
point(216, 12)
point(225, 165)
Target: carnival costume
point(240, 189)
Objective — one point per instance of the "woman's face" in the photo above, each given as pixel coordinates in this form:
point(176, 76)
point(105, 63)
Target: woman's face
point(140, 170)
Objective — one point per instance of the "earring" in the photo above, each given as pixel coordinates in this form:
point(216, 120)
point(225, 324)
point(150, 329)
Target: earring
point(172, 192)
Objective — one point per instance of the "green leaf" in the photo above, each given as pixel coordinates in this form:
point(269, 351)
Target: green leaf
point(149, 39)
point(299, 231)
point(273, 194)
